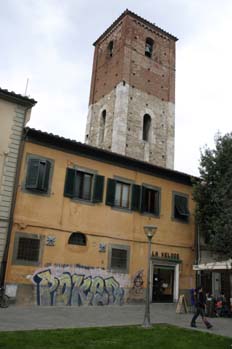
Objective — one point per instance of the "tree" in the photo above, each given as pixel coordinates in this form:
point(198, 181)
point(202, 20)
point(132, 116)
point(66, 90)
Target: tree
point(213, 196)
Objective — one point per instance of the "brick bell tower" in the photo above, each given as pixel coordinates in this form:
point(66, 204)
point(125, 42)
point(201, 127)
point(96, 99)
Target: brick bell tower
point(132, 97)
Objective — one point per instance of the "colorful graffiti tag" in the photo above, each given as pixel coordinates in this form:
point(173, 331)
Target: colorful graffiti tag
point(76, 289)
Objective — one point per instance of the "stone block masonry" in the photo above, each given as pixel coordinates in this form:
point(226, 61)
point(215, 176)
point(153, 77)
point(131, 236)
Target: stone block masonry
point(127, 85)
point(8, 173)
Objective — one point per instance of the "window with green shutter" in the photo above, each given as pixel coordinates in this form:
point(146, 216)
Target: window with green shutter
point(38, 174)
point(180, 207)
point(118, 193)
point(83, 185)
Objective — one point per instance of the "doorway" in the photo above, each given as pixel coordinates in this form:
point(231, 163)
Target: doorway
point(163, 284)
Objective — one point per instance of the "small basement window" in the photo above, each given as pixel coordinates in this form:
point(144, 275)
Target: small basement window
point(77, 239)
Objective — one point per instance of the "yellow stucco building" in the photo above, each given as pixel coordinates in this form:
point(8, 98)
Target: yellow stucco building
point(78, 228)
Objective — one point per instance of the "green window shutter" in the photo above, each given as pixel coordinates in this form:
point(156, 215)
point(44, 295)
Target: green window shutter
point(136, 197)
point(98, 188)
point(47, 175)
point(181, 204)
point(111, 184)
point(32, 173)
point(69, 182)
point(143, 202)
point(157, 202)
point(43, 178)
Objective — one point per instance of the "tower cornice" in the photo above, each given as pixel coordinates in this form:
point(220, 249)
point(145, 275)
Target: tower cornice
point(138, 18)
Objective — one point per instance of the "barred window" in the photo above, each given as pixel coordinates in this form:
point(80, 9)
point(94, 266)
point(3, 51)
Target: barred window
point(119, 258)
point(28, 249)
point(77, 239)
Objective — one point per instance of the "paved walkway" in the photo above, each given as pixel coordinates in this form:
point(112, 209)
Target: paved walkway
point(29, 318)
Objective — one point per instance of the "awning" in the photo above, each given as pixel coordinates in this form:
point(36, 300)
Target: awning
point(223, 265)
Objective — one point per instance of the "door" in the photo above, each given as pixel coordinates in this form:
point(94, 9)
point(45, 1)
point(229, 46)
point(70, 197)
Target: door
point(163, 283)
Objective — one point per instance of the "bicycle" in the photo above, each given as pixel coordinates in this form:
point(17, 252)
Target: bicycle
point(4, 299)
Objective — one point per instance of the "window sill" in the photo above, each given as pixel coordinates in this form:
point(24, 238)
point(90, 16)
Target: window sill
point(36, 192)
point(119, 271)
point(177, 220)
point(83, 201)
point(153, 215)
point(121, 209)
point(25, 263)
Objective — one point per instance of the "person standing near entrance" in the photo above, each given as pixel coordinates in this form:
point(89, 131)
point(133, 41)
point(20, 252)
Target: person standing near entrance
point(200, 303)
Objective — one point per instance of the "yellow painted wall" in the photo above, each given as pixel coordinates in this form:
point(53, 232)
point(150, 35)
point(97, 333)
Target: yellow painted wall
point(58, 216)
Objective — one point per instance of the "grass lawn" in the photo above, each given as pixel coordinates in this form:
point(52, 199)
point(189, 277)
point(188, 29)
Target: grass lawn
point(158, 337)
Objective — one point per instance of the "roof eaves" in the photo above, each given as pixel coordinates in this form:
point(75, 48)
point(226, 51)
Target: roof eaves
point(16, 98)
point(132, 14)
point(83, 149)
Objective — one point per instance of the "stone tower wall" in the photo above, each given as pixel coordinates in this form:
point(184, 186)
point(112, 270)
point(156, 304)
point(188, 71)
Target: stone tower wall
point(129, 85)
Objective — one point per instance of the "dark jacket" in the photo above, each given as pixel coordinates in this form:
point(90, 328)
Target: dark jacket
point(200, 299)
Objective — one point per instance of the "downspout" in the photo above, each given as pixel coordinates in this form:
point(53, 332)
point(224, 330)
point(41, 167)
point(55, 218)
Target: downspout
point(13, 201)
point(198, 256)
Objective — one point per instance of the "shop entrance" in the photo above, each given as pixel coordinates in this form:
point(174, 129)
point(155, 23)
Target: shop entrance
point(163, 284)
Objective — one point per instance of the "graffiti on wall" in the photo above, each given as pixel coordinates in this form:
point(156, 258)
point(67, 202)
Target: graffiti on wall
point(137, 291)
point(138, 280)
point(69, 288)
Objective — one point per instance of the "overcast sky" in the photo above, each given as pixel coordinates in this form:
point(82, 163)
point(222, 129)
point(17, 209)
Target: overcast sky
point(50, 42)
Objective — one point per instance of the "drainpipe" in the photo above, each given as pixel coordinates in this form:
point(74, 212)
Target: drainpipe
point(13, 201)
point(198, 255)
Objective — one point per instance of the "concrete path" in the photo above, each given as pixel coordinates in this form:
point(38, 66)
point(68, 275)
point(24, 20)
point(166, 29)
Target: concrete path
point(30, 318)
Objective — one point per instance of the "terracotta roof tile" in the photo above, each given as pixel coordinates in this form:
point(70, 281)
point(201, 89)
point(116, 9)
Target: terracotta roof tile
point(16, 98)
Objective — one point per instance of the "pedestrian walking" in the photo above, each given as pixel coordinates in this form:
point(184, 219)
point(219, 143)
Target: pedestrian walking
point(200, 304)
